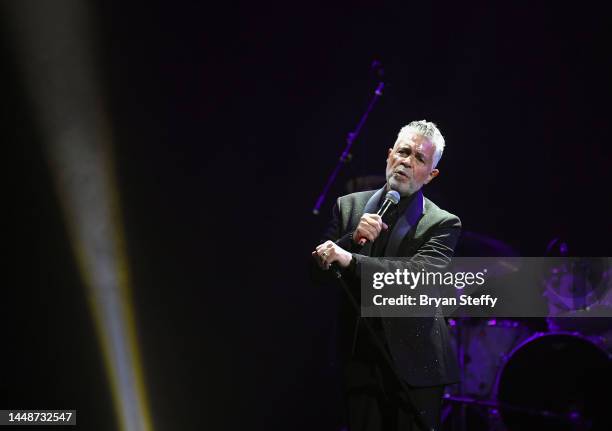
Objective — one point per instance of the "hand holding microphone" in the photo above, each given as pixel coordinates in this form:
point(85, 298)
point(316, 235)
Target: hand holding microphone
point(371, 225)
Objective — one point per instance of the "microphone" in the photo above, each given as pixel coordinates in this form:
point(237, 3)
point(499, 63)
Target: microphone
point(391, 198)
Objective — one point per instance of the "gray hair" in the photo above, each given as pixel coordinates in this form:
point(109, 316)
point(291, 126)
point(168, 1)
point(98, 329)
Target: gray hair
point(431, 132)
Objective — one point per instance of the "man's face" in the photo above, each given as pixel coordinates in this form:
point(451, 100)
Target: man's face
point(409, 163)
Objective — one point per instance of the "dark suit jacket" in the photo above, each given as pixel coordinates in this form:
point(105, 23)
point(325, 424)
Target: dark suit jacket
point(420, 347)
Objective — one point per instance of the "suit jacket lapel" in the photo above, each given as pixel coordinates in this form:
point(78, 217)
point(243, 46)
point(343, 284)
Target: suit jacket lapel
point(371, 207)
point(404, 223)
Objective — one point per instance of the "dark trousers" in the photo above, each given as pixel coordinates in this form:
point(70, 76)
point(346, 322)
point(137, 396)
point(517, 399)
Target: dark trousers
point(370, 409)
point(377, 400)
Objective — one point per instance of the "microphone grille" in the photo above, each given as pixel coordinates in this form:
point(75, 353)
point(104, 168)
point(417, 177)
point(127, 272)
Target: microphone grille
point(393, 196)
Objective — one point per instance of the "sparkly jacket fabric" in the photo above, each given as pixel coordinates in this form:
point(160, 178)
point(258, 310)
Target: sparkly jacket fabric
point(426, 234)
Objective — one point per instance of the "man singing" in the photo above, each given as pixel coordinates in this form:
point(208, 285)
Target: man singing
point(395, 369)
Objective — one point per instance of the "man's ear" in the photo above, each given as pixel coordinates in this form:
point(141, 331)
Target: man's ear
point(389, 151)
point(434, 173)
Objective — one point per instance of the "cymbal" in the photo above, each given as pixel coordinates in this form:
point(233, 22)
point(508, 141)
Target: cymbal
point(368, 182)
point(500, 258)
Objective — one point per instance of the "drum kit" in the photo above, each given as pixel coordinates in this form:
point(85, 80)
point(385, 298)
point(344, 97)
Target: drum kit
point(551, 373)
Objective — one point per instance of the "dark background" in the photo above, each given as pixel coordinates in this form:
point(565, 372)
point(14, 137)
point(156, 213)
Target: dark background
point(227, 120)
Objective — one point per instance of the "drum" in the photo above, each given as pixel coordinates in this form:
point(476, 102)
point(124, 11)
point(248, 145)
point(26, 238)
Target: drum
point(582, 322)
point(556, 381)
point(485, 345)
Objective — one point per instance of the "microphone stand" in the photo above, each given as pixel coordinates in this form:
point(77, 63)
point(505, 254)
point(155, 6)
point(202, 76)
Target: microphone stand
point(346, 154)
point(383, 350)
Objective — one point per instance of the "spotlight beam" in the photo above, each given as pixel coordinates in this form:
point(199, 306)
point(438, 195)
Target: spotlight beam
point(55, 47)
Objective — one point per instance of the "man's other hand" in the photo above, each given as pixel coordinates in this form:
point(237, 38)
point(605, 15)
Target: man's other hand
point(329, 252)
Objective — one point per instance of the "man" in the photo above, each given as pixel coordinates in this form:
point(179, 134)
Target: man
point(395, 369)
